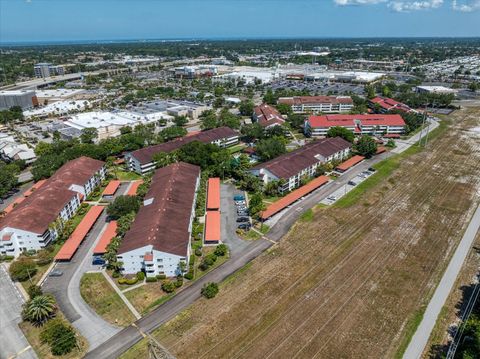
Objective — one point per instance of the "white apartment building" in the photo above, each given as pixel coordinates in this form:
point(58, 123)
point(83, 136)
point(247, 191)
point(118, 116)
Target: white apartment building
point(45, 69)
point(32, 224)
point(159, 237)
point(303, 162)
point(318, 104)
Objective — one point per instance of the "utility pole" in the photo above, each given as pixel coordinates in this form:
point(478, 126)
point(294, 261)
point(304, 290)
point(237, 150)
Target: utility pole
point(155, 349)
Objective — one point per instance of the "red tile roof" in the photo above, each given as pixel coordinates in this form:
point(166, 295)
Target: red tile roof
point(71, 245)
point(145, 155)
point(350, 163)
point(132, 191)
point(294, 196)
point(350, 120)
point(111, 188)
point(267, 115)
point(390, 104)
point(299, 100)
point(164, 223)
point(212, 226)
point(106, 238)
point(291, 163)
point(34, 187)
point(213, 193)
point(43, 206)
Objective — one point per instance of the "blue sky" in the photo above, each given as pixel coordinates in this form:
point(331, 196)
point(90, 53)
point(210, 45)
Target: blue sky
point(61, 20)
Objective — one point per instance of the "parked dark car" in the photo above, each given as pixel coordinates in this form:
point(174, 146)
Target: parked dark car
point(244, 226)
point(351, 183)
point(98, 261)
point(55, 273)
point(242, 219)
point(371, 169)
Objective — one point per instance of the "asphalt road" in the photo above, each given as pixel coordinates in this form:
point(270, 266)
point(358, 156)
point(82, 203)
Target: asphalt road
point(12, 341)
point(120, 342)
point(421, 336)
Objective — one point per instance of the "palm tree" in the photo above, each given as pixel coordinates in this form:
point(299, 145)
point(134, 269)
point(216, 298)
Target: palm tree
point(40, 309)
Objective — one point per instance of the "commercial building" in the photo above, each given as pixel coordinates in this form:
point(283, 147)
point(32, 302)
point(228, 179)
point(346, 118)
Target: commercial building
point(173, 108)
point(267, 116)
point(435, 89)
point(33, 223)
point(159, 238)
point(292, 167)
point(45, 69)
point(141, 161)
point(192, 72)
point(385, 104)
point(373, 124)
point(23, 98)
point(60, 108)
point(317, 104)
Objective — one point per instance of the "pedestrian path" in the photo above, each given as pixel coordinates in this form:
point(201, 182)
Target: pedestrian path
point(122, 296)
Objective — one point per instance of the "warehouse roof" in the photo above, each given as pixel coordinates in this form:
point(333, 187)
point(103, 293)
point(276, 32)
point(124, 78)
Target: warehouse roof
point(145, 155)
point(290, 198)
point(44, 204)
point(164, 222)
point(291, 163)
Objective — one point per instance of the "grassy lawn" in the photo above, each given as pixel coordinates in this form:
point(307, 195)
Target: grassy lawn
point(410, 329)
point(127, 175)
point(32, 334)
point(205, 251)
point(307, 216)
point(102, 298)
point(147, 297)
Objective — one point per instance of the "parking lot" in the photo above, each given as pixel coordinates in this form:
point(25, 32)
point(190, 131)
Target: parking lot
point(339, 193)
point(319, 87)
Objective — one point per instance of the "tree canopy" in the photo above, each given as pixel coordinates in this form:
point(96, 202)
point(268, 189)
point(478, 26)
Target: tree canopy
point(366, 146)
point(338, 131)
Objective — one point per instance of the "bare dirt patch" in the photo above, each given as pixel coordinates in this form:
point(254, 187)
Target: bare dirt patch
point(352, 282)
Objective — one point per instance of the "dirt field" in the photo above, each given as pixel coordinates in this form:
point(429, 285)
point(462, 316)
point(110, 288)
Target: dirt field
point(352, 282)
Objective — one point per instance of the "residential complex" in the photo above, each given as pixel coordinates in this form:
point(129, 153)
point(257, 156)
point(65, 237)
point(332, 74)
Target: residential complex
point(159, 237)
point(33, 223)
point(292, 167)
point(385, 104)
point(267, 116)
point(358, 124)
point(317, 104)
point(44, 69)
point(141, 161)
point(23, 98)
point(12, 150)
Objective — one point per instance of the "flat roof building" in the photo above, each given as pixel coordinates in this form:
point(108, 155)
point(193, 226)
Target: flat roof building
point(371, 124)
point(23, 98)
point(159, 237)
point(316, 104)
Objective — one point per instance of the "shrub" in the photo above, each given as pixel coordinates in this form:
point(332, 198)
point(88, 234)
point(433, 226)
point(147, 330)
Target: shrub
point(221, 250)
point(151, 279)
point(178, 283)
point(168, 286)
point(210, 259)
point(23, 269)
point(44, 257)
point(161, 276)
point(34, 291)
point(210, 290)
point(115, 274)
point(60, 336)
point(198, 252)
point(6, 258)
point(140, 276)
point(39, 309)
point(203, 266)
point(131, 281)
point(189, 275)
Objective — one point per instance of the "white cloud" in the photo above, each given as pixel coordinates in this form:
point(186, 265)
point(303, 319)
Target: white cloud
point(467, 6)
point(407, 6)
point(357, 2)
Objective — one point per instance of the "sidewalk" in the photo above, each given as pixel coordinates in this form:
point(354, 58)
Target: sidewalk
point(122, 296)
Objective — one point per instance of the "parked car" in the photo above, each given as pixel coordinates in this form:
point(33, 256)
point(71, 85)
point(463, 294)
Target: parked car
point(242, 219)
point(371, 169)
point(332, 198)
point(56, 273)
point(239, 203)
point(98, 261)
point(239, 198)
point(244, 226)
point(242, 214)
point(351, 183)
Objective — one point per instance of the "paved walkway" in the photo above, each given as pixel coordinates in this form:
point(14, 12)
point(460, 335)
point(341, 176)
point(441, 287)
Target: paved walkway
point(13, 343)
point(122, 296)
point(421, 336)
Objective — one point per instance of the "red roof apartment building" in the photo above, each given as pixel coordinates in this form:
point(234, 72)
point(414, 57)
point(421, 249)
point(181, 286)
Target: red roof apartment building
point(292, 166)
point(385, 104)
point(159, 237)
point(29, 225)
point(141, 161)
point(358, 124)
point(267, 116)
point(317, 104)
